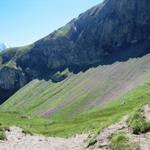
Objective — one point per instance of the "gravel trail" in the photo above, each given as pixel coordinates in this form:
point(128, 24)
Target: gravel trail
point(17, 140)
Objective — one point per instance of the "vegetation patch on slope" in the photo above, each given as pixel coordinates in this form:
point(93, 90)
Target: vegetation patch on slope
point(2, 132)
point(120, 141)
point(79, 93)
point(138, 123)
point(93, 121)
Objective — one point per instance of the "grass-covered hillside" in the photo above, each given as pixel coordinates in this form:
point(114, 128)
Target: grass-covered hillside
point(79, 92)
point(94, 120)
point(88, 101)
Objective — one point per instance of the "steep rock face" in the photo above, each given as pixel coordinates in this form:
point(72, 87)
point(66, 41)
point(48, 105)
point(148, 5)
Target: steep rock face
point(10, 81)
point(101, 35)
point(112, 31)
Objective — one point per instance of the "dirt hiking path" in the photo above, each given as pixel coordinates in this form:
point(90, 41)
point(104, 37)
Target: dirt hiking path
point(17, 140)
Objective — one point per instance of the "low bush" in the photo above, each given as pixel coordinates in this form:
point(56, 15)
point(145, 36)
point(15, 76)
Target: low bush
point(138, 123)
point(119, 141)
point(2, 134)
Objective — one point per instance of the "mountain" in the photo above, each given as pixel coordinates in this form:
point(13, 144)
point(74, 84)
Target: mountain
point(90, 76)
point(80, 92)
point(109, 32)
point(3, 46)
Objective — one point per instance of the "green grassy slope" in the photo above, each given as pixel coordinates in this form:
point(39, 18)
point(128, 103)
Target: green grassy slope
point(94, 120)
point(81, 92)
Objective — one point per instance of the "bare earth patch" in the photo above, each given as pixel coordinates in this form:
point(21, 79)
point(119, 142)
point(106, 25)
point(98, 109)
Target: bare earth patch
point(17, 140)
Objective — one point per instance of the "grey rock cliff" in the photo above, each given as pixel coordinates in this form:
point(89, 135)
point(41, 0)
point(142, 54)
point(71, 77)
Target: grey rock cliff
point(10, 81)
point(106, 33)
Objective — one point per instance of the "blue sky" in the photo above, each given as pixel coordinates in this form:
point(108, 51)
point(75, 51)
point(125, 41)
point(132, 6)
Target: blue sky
point(25, 21)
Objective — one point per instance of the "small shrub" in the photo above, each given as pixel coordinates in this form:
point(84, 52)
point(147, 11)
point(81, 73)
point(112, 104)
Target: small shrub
point(119, 141)
point(24, 117)
point(2, 135)
point(138, 124)
point(59, 76)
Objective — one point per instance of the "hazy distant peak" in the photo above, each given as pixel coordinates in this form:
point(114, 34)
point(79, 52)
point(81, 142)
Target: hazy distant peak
point(3, 46)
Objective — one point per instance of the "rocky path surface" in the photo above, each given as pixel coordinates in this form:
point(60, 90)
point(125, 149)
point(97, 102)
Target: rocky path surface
point(104, 137)
point(147, 112)
point(17, 140)
point(142, 140)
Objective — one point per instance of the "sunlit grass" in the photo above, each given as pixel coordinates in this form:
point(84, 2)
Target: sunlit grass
point(93, 121)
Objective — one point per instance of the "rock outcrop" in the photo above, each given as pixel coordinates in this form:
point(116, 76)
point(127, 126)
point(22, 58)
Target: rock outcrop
point(10, 81)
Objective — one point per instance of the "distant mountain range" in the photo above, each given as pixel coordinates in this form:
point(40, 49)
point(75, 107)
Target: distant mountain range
point(3, 46)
